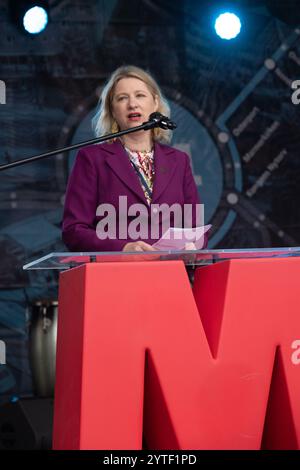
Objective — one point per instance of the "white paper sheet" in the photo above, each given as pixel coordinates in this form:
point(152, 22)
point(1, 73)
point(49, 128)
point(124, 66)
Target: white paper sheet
point(176, 238)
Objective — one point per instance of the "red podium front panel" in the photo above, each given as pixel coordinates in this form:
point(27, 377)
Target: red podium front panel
point(140, 353)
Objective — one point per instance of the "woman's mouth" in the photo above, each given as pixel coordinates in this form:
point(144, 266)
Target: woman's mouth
point(134, 116)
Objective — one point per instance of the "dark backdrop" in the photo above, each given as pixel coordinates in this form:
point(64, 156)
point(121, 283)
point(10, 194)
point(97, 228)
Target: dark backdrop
point(231, 101)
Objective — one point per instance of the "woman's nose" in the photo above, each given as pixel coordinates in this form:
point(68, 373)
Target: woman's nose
point(132, 102)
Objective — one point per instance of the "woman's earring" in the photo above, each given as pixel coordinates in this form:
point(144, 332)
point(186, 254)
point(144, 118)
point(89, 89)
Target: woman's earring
point(114, 127)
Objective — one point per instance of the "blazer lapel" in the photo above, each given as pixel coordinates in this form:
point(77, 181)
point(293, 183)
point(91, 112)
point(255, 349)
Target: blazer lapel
point(165, 164)
point(119, 162)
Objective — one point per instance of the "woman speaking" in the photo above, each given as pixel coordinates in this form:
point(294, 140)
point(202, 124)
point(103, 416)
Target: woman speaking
point(123, 194)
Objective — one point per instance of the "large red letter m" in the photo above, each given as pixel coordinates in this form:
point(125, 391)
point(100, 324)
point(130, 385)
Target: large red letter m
point(138, 352)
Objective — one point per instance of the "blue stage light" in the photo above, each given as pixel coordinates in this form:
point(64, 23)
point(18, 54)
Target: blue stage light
point(228, 25)
point(35, 20)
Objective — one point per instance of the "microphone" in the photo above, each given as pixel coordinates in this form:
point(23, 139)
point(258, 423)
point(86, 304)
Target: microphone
point(159, 120)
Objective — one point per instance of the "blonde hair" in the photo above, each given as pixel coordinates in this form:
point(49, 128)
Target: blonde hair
point(104, 123)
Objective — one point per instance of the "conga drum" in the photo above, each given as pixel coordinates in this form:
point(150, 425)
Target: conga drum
point(42, 346)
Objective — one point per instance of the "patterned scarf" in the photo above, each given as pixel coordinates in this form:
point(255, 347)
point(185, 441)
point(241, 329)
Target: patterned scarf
point(143, 161)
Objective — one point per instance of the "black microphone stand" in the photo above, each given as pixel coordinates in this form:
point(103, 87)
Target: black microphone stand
point(145, 126)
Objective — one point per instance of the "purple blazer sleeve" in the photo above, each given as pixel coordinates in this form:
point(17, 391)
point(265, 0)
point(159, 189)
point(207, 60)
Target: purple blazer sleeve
point(191, 196)
point(79, 218)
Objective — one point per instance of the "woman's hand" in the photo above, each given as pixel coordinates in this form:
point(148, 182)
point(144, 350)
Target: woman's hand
point(138, 246)
point(190, 246)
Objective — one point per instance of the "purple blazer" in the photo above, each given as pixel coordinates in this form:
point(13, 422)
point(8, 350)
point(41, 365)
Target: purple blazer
point(102, 173)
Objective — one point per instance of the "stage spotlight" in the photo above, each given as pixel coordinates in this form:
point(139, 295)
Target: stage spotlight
point(35, 20)
point(30, 15)
point(228, 25)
